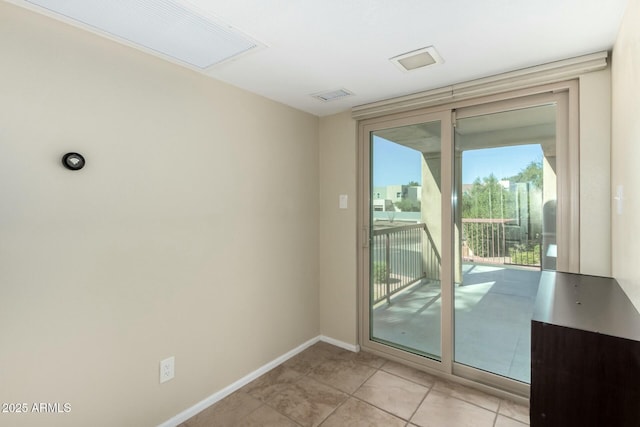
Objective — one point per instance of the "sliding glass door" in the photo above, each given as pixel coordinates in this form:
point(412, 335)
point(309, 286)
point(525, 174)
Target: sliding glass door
point(461, 208)
point(506, 211)
point(406, 238)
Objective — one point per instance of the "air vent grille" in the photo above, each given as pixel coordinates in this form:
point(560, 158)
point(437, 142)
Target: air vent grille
point(417, 59)
point(332, 95)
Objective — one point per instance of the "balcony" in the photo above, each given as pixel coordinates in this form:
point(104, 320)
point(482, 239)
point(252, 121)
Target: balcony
point(493, 301)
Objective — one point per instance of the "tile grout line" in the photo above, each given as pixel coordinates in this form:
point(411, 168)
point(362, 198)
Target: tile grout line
point(266, 402)
point(408, 379)
point(352, 395)
point(408, 420)
point(421, 402)
point(349, 395)
point(371, 404)
point(271, 407)
point(495, 419)
point(429, 390)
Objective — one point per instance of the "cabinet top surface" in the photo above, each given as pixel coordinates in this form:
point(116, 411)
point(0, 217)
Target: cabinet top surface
point(590, 303)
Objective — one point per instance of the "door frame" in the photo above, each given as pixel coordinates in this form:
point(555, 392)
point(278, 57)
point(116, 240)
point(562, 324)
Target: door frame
point(568, 165)
point(446, 269)
point(566, 94)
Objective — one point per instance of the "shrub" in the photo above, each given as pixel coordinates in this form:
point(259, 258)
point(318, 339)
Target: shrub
point(380, 272)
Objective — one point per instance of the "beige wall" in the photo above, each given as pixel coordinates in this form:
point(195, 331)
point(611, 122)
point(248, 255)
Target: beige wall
point(338, 228)
point(167, 243)
point(625, 156)
point(595, 173)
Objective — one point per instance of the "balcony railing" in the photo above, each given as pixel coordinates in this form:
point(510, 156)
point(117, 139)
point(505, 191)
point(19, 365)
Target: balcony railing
point(398, 261)
point(498, 241)
point(406, 254)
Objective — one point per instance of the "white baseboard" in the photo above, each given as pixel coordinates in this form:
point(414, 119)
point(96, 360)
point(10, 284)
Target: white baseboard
point(341, 344)
point(200, 406)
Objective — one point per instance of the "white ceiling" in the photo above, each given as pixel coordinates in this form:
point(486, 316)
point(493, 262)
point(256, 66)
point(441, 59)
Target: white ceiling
point(323, 45)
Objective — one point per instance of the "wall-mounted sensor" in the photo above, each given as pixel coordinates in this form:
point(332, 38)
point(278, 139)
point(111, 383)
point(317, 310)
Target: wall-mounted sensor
point(73, 161)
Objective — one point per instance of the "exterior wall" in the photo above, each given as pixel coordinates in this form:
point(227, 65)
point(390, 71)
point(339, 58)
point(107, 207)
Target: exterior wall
point(625, 154)
point(380, 192)
point(394, 193)
point(143, 254)
point(338, 260)
point(414, 193)
point(391, 192)
point(383, 205)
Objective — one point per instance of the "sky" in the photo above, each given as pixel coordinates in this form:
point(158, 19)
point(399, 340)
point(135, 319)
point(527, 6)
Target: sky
point(395, 164)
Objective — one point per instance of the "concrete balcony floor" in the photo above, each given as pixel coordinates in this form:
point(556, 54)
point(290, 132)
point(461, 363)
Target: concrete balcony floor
point(493, 310)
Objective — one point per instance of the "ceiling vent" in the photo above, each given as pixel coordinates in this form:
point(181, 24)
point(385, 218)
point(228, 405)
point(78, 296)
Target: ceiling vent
point(165, 27)
point(332, 95)
point(417, 59)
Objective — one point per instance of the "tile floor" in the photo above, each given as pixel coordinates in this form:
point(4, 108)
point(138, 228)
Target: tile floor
point(328, 386)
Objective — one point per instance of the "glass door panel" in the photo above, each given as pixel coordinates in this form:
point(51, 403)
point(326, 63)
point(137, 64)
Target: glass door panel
point(505, 174)
point(405, 290)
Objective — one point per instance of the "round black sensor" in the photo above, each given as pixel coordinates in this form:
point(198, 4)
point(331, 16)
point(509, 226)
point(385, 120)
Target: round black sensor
point(73, 161)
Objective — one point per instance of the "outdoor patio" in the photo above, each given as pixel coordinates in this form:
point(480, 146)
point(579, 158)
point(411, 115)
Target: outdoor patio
point(493, 309)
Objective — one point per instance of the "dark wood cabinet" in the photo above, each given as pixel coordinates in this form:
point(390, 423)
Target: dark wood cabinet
point(585, 354)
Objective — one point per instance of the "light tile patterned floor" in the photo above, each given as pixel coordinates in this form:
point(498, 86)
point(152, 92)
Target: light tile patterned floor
point(331, 387)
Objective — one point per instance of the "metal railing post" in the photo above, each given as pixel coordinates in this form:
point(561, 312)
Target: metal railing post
point(388, 267)
point(404, 274)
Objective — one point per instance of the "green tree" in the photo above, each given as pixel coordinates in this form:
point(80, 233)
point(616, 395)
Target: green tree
point(408, 205)
point(531, 173)
point(488, 199)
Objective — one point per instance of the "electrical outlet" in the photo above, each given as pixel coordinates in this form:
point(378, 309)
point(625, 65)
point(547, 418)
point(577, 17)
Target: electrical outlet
point(167, 369)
